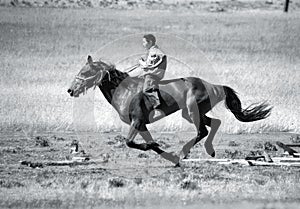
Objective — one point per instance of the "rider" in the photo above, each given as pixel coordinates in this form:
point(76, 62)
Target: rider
point(154, 67)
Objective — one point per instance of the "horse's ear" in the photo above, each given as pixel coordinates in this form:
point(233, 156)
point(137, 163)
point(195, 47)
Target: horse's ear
point(90, 60)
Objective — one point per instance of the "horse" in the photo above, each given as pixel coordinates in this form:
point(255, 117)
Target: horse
point(194, 96)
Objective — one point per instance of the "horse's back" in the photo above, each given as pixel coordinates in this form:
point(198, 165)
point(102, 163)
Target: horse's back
point(181, 88)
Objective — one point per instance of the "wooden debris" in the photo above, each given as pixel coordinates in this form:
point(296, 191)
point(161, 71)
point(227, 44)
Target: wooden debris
point(254, 161)
point(293, 145)
point(266, 157)
point(286, 148)
point(74, 162)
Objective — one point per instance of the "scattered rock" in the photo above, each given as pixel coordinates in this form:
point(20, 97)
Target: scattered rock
point(10, 184)
point(58, 138)
point(260, 181)
point(41, 141)
point(258, 146)
point(233, 154)
point(120, 145)
point(269, 1)
point(111, 142)
point(143, 155)
point(118, 141)
point(120, 138)
point(74, 147)
point(105, 157)
point(13, 150)
point(295, 139)
point(163, 144)
point(216, 8)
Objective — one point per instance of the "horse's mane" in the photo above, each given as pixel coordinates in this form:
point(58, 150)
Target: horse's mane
point(111, 68)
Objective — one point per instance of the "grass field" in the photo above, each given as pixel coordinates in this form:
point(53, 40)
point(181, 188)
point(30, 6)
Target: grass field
point(135, 179)
point(256, 53)
point(42, 49)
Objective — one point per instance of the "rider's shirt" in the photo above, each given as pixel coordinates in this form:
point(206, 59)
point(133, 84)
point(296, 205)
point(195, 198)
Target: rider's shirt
point(156, 63)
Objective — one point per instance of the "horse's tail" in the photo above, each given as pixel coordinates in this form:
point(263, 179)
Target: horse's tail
point(251, 113)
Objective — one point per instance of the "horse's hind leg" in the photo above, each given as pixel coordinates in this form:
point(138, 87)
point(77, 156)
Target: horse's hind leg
point(193, 115)
point(214, 124)
point(148, 138)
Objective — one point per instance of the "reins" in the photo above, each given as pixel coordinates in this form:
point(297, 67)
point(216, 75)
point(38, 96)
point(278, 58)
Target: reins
point(98, 76)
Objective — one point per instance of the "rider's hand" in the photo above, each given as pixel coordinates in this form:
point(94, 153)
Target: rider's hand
point(142, 63)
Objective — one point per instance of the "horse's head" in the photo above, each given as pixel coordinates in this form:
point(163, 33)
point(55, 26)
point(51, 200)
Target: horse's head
point(91, 75)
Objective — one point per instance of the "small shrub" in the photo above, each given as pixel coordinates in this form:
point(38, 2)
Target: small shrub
point(138, 181)
point(233, 144)
point(188, 184)
point(255, 153)
point(116, 182)
point(84, 184)
point(268, 146)
point(233, 154)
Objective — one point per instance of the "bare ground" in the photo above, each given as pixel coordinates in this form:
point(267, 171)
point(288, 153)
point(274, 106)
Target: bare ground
point(129, 178)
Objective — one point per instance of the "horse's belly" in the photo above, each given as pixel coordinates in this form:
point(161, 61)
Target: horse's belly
point(177, 92)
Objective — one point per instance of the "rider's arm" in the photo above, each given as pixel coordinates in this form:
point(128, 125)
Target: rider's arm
point(153, 61)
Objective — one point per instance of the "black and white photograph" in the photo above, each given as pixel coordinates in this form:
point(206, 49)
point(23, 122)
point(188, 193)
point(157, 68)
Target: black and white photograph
point(150, 104)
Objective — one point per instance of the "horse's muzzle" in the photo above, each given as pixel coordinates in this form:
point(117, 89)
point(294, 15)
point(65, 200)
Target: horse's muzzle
point(70, 92)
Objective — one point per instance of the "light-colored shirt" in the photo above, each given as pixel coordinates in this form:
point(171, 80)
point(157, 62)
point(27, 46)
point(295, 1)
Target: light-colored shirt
point(155, 63)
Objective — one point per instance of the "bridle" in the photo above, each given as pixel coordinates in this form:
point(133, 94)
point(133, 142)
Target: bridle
point(97, 78)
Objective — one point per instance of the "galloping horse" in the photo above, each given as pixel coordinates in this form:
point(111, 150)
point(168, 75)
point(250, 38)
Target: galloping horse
point(194, 96)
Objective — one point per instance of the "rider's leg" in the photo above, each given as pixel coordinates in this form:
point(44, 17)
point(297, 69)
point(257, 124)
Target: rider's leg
point(150, 88)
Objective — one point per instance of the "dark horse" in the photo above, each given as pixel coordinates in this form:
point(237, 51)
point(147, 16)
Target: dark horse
point(194, 96)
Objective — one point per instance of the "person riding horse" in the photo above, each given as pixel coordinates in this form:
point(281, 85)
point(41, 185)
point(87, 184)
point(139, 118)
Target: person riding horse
point(153, 67)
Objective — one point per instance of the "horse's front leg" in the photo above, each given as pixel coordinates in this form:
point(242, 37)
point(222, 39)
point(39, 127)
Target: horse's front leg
point(155, 147)
point(133, 131)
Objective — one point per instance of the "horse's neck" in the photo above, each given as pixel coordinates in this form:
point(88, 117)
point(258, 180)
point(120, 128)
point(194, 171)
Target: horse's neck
point(116, 80)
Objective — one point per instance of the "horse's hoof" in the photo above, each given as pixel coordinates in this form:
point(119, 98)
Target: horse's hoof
point(177, 165)
point(213, 154)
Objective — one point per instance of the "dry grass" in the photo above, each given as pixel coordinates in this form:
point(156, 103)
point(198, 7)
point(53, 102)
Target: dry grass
point(126, 181)
point(256, 53)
